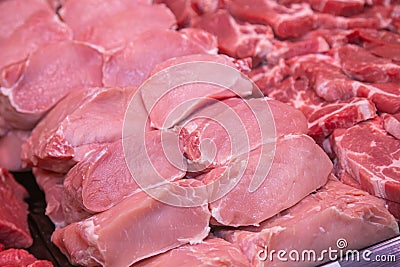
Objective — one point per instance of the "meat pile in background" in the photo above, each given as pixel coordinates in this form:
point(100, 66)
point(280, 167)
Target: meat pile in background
point(328, 70)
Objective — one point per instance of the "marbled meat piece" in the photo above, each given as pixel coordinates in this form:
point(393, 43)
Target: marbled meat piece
point(130, 231)
point(391, 123)
point(14, 230)
point(317, 222)
point(21, 258)
point(370, 156)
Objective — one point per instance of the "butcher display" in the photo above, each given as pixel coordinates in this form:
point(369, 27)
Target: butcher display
point(197, 132)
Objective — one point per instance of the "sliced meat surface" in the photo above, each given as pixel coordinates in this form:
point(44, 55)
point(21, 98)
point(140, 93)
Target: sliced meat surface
point(133, 64)
point(210, 252)
point(10, 149)
point(391, 124)
point(331, 84)
point(361, 65)
point(192, 87)
point(392, 207)
point(322, 117)
point(371, 156)
point(299, 167)
point(115, 30)
point(335, 212)
point(80, 14)
point(242, 40)
point(14, 230)
point(48, 77)
point(14, 13)
point(130, 231)
point(75, 127)
point(286, 22)
point(102, 179)
point(40, 29)
point(236, 126)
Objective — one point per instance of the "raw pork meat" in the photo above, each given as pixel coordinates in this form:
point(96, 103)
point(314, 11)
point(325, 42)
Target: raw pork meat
point(331, 84)
point(183, 96)
point(299, 167)
point(130, 231)
point(335, 212)
point(40, 29)
point(102, 179)
point(323, 117)
point(242, 40)
point(392, 124)
point(48, 76)
point(114, 30)
point(14, 231)
point(393, 207)
point(361, 65)
point(153, 47)
point(334, 7)
point(14, 13)
point(211, 252)
point(371, 157)
point(75, 127)
point(58, 209)
point(20, 258)
point(81, 14)
point(10, 149)
point(233, 122)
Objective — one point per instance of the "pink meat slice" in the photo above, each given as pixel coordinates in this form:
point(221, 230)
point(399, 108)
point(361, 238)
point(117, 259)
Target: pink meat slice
point(299, 167)
point(40, 29)
point(152, 48)
point(20, 257)
point(286, 22)
point(166, 110)
point(81, 122)
point(210, 252)
point(130, 231)
point(116, 30)
point(372, 159)
point(391, 123)
point(60, 212)
point(336, 211)
point(102, 179)
point(10, 149)
point(322, 117)
point(233, 123)
point(81, 14)
point(392, 207)
point(334, 7)
point(242, 40)
point(14, 230)
point(48, 77)
point(331, 84)
point(235, 39)
point(361, 65)
point(14, 13)
point(379, 42)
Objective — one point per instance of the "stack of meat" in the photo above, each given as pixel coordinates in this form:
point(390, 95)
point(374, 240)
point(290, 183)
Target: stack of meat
point(329, 76)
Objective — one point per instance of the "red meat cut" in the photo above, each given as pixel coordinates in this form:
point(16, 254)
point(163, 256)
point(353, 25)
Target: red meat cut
point(370, 156)
point(14, 231)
